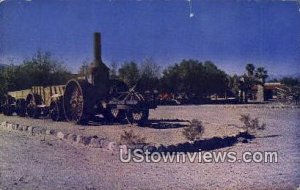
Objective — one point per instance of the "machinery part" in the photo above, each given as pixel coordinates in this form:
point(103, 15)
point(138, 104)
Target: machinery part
point(78, 101)
point(114, 115)
point(118, 115)
point(9, 105)
point(139, 116)
point(117, 88)
point(32, 102)
point(140, 113)
point(21, 107)
point(7, 110)
point(56, 111)
point(136, 109)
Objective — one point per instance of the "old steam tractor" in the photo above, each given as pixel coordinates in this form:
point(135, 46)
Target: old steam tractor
point(82, 99)
point(98, 94)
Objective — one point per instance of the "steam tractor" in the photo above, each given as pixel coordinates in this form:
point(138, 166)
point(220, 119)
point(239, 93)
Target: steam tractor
point(81, 99)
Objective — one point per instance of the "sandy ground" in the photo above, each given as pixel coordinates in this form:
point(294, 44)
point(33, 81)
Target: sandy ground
point(165, 125)
point(29, 162)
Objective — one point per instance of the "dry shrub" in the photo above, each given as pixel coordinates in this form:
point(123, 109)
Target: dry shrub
point(194, 131)
point(251, 125)
point(129, 138)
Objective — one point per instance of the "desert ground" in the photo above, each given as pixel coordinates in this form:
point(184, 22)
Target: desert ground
point(36, 162)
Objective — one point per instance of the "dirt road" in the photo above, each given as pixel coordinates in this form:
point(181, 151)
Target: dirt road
point(31, 162)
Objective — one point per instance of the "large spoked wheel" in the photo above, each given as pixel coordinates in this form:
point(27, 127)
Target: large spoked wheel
point(55, 111)
point(138, 116)
point(32, 102)
point(76, 102)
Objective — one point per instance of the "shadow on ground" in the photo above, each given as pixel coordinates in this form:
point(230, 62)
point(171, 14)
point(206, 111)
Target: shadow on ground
point(207, 144)
point(166, 123)
point(151, 123)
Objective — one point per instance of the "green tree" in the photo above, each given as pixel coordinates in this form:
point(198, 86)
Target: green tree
point(83, 69)
point(290, 81)
point(113, 71)
point(129, 73)
point(234, 85)
point(250, 68)
point(171, 76)
point(149, 75)
point(261, 74)
point(43, 70)
point(249, 79)
point(194, 78)
point(40, 70)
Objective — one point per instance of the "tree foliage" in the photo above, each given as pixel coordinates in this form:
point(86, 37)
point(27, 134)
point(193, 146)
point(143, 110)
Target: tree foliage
point(149, 75)
point(145, 77)
point(241, 85)
point(193, 77)
point(290, 81)
point(40, 70)
point(129, 73)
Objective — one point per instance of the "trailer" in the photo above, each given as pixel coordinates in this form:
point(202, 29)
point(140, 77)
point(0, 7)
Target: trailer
point(35, 102)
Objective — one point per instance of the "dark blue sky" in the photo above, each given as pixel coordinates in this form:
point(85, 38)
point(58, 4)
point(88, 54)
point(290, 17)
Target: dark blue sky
point(230, 33)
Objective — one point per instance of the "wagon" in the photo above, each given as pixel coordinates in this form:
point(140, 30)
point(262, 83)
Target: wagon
point(35, 102)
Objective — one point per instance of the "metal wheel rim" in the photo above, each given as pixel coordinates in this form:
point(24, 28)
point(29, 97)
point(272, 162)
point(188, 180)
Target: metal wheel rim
point(137, 115)
point(73, 102)
point(76, 103)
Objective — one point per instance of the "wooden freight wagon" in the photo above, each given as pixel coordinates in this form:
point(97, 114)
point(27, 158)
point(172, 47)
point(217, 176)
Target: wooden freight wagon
point(42, 101)
point(35, 102)
point(15, 102)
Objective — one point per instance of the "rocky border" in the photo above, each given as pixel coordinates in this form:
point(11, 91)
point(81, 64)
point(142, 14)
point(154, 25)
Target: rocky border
point(105, 144)
point(92, 141)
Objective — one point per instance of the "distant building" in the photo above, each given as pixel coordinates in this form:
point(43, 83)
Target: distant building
point(265, 92)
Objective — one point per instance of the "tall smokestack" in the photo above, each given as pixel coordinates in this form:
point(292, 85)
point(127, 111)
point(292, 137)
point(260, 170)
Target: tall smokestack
point(97, 48)
point(98, 71)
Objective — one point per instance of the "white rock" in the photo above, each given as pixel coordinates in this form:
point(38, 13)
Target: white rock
point(60, 135)
point(112, 146)
point(3, 124)
point(9, 126)
point(50, 132)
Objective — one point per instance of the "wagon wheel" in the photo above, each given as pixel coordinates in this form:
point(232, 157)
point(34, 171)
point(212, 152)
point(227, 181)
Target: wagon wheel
point(55, 111)
point(32, 102)
point(139, 114)
point(21, 107)
point(78, 101)
point(7, 107)
point(7, 110)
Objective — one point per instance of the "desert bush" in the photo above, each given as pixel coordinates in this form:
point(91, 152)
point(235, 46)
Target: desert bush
point(194, 131)
point(251, 125)
point(129, 138)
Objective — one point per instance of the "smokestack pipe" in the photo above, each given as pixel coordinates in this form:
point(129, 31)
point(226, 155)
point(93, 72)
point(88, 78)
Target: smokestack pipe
point(97, 48)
